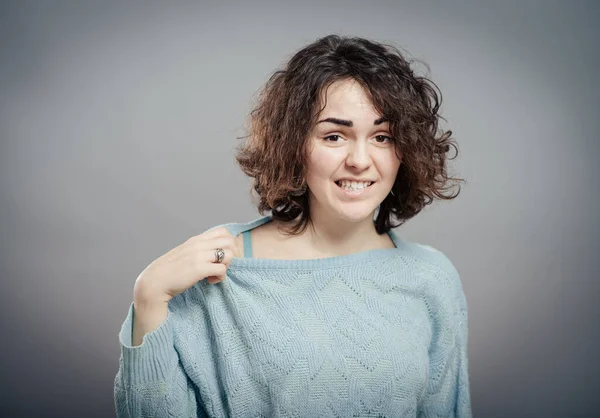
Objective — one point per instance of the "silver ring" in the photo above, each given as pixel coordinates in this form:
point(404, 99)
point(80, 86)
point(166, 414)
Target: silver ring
point(219, 255)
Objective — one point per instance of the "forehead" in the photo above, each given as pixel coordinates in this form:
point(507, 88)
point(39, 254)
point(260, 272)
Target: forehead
point(348, 99)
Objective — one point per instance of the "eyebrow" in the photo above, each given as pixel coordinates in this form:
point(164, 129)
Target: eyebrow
point(349, 122)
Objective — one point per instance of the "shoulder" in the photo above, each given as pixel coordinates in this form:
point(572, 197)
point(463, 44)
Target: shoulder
point(441, 288)
point(426, 256)
point(440, 276)
point(236, 228)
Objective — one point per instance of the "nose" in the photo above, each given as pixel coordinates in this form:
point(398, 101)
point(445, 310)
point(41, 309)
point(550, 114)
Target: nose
point(358, 155)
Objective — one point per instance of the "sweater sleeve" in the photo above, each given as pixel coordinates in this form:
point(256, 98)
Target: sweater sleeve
point(448, 391)
point(150, 380)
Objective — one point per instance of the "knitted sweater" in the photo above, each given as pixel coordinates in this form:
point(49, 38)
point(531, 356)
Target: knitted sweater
point(379, 333)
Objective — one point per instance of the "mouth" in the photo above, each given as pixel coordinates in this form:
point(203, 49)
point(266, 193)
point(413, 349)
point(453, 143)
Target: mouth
point(351, 189)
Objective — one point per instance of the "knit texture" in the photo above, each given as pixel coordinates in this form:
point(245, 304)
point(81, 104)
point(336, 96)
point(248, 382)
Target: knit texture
point(380, 333)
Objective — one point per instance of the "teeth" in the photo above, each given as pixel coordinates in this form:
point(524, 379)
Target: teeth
point(353, 185)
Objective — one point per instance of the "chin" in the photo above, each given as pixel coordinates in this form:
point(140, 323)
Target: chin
point(354, 215)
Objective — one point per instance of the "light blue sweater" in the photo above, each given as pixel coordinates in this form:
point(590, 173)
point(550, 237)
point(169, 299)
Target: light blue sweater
point(379, 333)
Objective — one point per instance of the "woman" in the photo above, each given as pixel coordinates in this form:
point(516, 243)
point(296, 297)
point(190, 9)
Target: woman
point(318, 309)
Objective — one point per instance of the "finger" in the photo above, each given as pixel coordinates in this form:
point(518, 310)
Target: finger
point(209, 249)
point(217, 278)
point(214, 279)
point(215, 233)
point(209, 235)
point(211, 256)
point(214, 270)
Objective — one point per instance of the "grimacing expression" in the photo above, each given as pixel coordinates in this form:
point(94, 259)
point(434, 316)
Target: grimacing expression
point(350, 141)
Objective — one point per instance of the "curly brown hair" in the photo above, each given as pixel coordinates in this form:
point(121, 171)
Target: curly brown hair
point(275, 152)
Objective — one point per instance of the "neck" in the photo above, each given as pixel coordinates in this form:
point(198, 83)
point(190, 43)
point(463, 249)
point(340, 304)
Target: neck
point(332, 236)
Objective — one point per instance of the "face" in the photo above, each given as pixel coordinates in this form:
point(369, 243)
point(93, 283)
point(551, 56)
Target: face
point(349, 141)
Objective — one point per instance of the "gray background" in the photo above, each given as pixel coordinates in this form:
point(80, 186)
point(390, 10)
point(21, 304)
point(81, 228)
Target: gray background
point(118, 124)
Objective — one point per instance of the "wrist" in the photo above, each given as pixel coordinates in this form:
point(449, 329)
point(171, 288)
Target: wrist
point(149, 306)
point(145, 297)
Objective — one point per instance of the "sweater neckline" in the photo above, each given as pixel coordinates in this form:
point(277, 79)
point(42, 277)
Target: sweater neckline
point(326, 262)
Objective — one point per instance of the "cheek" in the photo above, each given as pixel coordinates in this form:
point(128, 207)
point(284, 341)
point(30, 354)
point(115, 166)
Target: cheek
point(322, 165)
point(394, 165)
point(393, 161)
point(388, 166)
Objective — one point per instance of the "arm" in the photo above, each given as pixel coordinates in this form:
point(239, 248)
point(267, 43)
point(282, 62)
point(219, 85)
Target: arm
point(448, 392)
point(151, 380)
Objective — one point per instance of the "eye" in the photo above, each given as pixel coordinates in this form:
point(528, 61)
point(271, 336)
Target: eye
point(334, 138)
point(383, 139)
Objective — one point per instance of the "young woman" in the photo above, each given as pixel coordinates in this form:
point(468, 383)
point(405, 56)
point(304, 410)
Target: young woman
point(319, 308)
